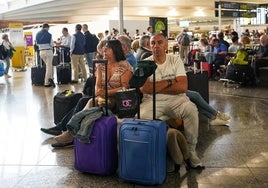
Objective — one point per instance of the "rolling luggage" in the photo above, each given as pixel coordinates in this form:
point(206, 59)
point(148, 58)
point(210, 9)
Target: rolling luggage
point(198, 81)
point(100, 155)
point(63, 103)
point(142, 149)
point(64, 71)
point(38, 72)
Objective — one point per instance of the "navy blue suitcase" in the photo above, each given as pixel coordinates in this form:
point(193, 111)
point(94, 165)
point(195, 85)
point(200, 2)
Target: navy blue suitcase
point(64, 73)
point(142, 150)
point(38, 72)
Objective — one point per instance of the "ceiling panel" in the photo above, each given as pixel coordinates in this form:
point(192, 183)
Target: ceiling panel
point(88, 10)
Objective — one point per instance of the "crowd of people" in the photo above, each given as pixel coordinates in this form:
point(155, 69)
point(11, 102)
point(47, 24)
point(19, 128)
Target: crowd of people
point(173, 99)
point(218, 50)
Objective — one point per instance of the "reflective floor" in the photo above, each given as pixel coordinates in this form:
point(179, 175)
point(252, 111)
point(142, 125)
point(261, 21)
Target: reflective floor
point(234, 156)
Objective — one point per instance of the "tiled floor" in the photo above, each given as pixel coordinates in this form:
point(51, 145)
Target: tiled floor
point(234, 156)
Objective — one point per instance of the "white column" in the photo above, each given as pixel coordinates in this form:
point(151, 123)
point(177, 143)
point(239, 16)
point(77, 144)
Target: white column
point(121, 19)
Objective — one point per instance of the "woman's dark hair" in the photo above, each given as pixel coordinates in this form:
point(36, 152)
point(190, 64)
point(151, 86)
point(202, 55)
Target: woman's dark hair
point(117, 49)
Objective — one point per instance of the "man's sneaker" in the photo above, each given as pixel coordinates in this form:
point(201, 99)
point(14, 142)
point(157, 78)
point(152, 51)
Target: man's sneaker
point(7, 76)
point(194, 162)
point(223, 116)
point(65, 137)
point(218, 121)
point(53, 131)
point(61, 145)
point(194, 159)
point(51, 82)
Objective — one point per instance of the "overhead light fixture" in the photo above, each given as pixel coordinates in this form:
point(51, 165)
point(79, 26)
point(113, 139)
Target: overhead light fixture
point(114, 13)
point(144, 12)
point(172, 12)
point(199, 13)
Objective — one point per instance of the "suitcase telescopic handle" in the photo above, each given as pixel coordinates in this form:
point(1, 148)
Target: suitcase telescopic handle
point(154, 98)
point(105, 62)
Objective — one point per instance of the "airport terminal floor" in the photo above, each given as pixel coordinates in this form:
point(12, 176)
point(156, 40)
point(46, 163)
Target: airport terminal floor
point(235, 155)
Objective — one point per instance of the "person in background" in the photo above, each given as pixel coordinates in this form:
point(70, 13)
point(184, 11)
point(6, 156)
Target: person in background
point(220, 36)
point(219, 54)
point(261, 58)
point(126, 45)
point(100, 46)
point(245, 41)
point(204, 45)
point(8, 48)
point(115, 34)
point(234, 46)
point(144, 48)
point(137, 35)
point(64, 45)
point(149, 31)
point(45, 43)
point(135, 46)
point(91, 42)
point(184, 41)
point(77, 51)
point(100, 36)
point(107, 36)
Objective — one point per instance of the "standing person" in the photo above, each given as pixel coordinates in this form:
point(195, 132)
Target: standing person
point(171, 100)
point(150, 31)
point(184, 44)
point(65, 42)
point(77, 51)
point(137, 35)
point(90, 46)
point(45, 43)
point(126, 45)
point(8, 48)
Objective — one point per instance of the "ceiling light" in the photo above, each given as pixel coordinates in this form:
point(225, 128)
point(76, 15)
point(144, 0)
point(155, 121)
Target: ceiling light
point(144, 12)
point(172, 12)
point(199, 13)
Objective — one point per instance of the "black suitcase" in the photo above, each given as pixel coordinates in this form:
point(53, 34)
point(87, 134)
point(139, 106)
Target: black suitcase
point(198, 81)
point(64, 102)
point(38, 72)
point(64, 73)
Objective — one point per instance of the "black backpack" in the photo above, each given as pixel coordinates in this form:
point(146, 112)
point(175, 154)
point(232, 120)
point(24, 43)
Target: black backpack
point(3, 52)
point(184, 40)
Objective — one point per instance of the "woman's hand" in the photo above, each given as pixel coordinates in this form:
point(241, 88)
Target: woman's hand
point(100, 92)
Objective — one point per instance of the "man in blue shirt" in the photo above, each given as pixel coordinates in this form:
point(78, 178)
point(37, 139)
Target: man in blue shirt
point(126, 45)
point(77, 50)
point(220, 52)
point(45, 43)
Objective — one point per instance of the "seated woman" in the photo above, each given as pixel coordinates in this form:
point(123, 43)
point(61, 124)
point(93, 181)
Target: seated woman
point(87, 94)
point(119, 74)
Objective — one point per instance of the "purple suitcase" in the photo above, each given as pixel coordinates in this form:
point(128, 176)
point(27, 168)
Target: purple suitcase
point(100, 155)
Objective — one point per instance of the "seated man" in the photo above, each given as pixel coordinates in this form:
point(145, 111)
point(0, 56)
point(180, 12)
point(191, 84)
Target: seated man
point(220, 52)
point(171, 100)
point(261, 59)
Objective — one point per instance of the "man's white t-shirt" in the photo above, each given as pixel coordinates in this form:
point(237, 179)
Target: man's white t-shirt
point(170, 69)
